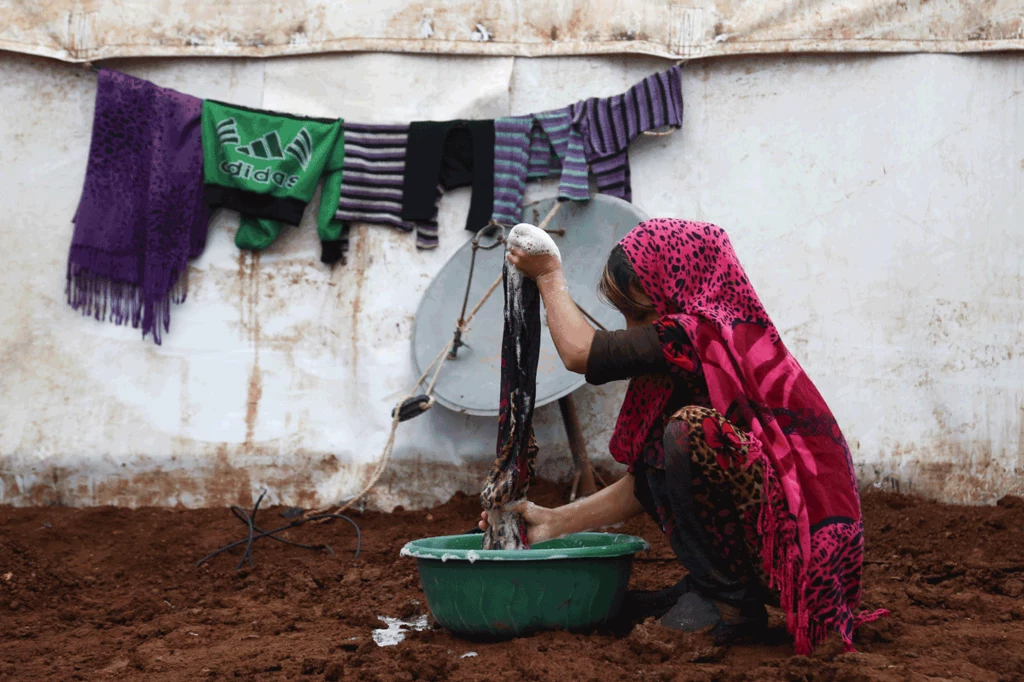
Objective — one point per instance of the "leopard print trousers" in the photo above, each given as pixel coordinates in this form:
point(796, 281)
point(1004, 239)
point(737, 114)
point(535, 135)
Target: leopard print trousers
point(707, 500)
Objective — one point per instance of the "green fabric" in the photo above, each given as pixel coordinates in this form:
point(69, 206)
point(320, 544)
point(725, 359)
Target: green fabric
point(271, 154)
point(256, 234)
point(327, 227)
point(265, 153)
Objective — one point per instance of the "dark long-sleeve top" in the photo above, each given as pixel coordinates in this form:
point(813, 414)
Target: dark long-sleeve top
point(624, 354)
point(631, 353)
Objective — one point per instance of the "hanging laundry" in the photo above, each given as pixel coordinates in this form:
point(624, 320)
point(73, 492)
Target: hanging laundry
point(141, 216)
point(513, 469)
point(371, 186)
point(533, 147)
point(450, 154)
point(267, 166)
point(609, 124)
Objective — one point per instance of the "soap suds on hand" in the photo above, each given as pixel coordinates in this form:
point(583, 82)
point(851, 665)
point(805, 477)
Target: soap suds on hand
point(532, 240)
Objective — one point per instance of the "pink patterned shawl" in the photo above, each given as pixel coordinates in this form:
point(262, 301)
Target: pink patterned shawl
point(812, 552)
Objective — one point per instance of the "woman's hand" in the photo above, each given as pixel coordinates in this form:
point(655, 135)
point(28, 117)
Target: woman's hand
point(569, 330)
point(609, 506)
point(542, 523)
point(534, 266)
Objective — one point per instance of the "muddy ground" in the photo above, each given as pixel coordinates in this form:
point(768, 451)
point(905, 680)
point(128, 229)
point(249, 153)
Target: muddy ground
point(107, 593)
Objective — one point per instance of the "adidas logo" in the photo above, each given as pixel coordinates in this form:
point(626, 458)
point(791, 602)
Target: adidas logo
point(267, 147)
point(301, 148)
point(227, 132)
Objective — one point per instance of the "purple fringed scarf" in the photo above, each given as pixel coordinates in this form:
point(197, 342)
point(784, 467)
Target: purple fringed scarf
point(141, 216)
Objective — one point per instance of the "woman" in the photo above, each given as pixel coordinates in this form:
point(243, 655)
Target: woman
point(730, 447)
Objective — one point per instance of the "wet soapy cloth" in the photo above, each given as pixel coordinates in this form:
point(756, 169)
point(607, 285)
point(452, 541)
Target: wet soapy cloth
point(510, 475)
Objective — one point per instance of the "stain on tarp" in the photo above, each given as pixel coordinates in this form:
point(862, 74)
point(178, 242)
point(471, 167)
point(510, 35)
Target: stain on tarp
point(360, 262)
point(116, 28)
point(249, 279)
point(226, 475)
point(947, 470)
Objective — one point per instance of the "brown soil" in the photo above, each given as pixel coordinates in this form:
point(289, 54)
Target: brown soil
point(107, 593)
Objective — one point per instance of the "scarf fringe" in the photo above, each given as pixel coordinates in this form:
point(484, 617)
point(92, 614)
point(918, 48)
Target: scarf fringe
point(123, 303)
point(786, 570)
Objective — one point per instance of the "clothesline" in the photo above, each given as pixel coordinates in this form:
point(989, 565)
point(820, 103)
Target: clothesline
point(680, 63)
point(267, 166)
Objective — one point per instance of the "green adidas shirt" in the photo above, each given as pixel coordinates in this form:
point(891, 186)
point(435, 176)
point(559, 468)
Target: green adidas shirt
point(251, 157)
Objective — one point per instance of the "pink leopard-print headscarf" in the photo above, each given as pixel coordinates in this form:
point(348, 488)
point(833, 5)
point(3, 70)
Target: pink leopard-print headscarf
point(812, 553)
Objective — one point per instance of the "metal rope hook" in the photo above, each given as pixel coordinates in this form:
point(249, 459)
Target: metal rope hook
point(460, 326)
point(488, 230)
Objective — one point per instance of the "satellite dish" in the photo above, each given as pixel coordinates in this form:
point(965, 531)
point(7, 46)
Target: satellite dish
point(469, 382)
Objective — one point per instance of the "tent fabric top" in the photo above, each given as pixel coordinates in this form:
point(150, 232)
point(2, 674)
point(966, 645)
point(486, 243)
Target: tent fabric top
point(89, 30)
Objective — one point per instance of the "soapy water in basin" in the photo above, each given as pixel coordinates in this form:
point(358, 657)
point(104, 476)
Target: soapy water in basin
point(577, 546)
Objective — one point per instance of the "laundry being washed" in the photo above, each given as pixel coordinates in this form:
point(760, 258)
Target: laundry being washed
point(510, 475)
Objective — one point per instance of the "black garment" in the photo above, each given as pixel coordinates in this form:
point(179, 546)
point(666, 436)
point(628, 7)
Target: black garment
point(334, 251)
point(703, 526)
point(451, 154)
point(285, 209)
point(624, 354)
point(517, 448)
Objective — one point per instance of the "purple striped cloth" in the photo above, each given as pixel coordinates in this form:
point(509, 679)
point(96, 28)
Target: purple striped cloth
point(536, 146)
point(609, 124)
point(371, 183)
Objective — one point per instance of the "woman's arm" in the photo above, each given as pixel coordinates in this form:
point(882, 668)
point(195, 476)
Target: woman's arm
point(614, 504)
point(570, 330)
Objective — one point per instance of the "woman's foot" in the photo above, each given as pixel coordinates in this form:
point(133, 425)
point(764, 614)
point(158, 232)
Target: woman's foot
point(640, 605)
point(723, 623)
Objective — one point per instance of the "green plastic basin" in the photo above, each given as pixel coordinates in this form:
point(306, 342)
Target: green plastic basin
point(574, 583)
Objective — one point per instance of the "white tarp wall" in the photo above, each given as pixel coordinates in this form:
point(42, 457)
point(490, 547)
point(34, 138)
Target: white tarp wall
point(82, 30)
point(876, 202)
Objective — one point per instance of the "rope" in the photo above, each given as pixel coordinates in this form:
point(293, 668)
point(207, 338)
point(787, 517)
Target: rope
point(461, 327)
point(593, 320)
point(255, 533)
point(551, 214)
point(544, 223)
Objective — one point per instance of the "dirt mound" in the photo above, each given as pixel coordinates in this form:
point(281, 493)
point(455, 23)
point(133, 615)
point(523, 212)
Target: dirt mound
point(115, 594)
point(29, 581)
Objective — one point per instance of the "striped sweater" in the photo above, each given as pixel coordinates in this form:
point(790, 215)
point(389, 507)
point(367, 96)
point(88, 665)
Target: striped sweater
point(371, 183)
point(532, 147)
point(609, 124)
